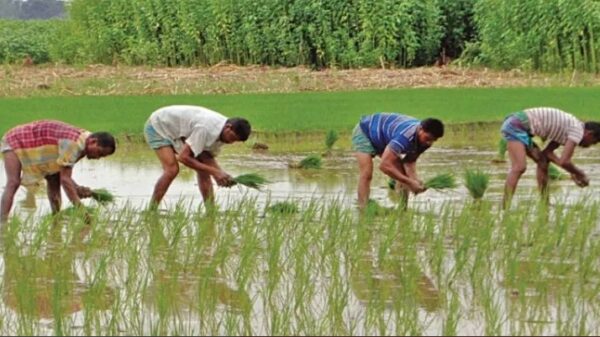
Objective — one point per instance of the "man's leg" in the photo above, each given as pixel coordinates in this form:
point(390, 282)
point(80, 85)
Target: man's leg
point(204, 180)
point(365, 170)
point(12, 166)
point(401, 189)
point(542, 170)
point(53, 192)
point(518, 165)
point(167, 158)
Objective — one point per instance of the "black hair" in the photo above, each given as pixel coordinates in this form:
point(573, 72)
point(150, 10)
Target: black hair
point(105, 140)
point(594, 127)
point(433, 126)
point(241, 127)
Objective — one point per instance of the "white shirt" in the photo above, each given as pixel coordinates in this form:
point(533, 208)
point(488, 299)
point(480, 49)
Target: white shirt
point(554, 124)
point(199, 127)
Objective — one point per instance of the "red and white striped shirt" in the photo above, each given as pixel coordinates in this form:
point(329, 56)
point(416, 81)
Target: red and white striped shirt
point(555, 125)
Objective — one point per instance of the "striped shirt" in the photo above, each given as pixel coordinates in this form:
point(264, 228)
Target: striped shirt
point(44, 147)
point(555, 125)
point(397, 131)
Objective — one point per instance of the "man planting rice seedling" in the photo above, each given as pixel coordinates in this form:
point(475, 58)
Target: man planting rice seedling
point(192, 135)
point(48, 150)
point(399, 140)
point(555, 127)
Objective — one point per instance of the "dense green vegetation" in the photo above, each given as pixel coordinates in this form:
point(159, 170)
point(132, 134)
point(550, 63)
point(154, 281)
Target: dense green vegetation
point(304, 111)
point(538, 35)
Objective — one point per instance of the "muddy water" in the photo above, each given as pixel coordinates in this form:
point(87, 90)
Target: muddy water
point(131, 177)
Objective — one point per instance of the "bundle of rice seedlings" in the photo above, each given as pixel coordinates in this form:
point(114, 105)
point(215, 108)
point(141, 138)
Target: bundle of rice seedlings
point(554, 173)
point(441, 181)
point(310, 162)
point(102, 195)
point(391, 184)
point(283, 207)
point(502, 147)
point(330, 139)
point(476, 182)
point(251, 180)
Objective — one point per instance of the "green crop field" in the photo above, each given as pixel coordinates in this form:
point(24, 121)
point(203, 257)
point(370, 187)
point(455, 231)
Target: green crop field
point(313, 111)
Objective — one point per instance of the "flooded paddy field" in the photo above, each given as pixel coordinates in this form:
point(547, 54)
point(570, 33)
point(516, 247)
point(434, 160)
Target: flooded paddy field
point(447, 265)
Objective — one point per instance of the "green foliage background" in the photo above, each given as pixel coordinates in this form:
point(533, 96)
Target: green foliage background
point(533, 34)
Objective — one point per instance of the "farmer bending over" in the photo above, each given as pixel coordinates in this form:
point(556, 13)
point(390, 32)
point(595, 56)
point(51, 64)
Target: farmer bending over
point(557, 128)
point(192, 135)
point(399, 140)
point(49, 149)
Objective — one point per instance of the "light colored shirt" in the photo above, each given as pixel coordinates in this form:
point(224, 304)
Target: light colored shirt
point(391, 129)
point(555, 125)
point(198, 127)
point(44, 147)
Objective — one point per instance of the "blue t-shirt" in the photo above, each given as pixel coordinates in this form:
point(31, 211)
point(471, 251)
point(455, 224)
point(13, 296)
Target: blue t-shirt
point(396, 130)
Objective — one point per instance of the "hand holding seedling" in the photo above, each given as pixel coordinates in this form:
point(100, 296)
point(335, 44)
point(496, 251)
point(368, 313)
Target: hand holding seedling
point(83, 192)
point(580, 179)
point(224, 179)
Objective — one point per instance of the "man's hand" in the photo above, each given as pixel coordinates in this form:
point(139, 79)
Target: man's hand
point(580, 179)
point(224, 179)
point(83, 192)
point(416, 186)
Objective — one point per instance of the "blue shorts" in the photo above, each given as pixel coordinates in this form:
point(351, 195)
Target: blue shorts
point(360, 142)
point(153, 139)
point(516, 128)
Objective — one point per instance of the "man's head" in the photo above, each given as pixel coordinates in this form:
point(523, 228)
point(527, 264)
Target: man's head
point(99, 144)
point(591, 134)
point(431, 129)
point(235, 130)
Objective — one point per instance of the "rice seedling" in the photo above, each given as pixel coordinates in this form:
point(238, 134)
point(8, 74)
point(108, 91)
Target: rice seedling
point(102, 195)
point(283, 207)
point(330, 139)
point(441, 181)
point(476, 182)
point(373, 208)
point(310, 162)
point(251, 180)
point(554, 173)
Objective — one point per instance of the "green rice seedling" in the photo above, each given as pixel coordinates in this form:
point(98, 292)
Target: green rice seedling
point(441, 181)
point(391, 184)
point(502, 147)
point(102, 195)
point(330, 139)
point(251, 180)
point(283, 207)
point(476, 182)
point(554, 173)
point(374, 209)
point(310, 162)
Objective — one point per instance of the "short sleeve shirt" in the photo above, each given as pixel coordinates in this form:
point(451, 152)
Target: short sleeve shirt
point(555, 125)
point(397, 131)
point(198, 127)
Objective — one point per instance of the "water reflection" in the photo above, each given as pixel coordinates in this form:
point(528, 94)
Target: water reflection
point(395, 280)
point(43, 282)
point(193, 284)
